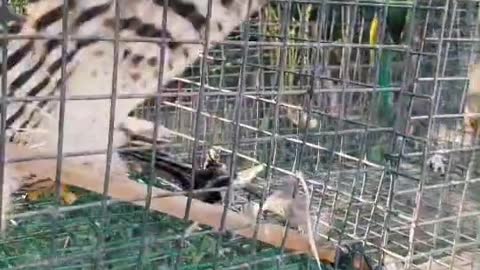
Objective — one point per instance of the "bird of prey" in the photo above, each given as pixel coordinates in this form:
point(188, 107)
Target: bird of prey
point(94, 65)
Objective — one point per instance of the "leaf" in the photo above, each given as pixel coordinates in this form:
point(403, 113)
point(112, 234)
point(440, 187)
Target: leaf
point(373, 38)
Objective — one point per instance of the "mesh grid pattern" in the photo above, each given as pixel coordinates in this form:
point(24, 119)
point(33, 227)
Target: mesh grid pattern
point(368, 174)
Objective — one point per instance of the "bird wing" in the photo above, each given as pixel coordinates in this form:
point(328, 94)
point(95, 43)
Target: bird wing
point(164, 164)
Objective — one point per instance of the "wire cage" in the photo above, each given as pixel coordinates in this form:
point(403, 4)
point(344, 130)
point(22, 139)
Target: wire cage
point(385, 82)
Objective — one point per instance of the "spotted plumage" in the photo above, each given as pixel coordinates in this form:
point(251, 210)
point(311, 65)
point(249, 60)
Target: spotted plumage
point(35, 71)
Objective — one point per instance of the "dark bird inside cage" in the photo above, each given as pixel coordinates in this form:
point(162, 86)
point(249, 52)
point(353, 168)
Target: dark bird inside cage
point(214, 174)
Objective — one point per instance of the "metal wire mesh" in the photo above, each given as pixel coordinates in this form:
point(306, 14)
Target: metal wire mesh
point(367, 173)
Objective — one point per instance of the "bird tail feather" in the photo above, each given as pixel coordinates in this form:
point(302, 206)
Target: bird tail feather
point(165, 164)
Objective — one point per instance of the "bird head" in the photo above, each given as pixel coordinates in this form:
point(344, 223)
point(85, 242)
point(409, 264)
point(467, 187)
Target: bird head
point(213, 156)
point(214, 164)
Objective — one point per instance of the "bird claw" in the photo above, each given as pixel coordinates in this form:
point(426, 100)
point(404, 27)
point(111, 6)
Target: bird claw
point(436, 163)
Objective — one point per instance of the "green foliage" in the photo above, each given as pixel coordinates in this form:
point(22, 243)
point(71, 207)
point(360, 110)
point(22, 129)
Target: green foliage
point(74, 240)
point(19, 5)
point(385, 101)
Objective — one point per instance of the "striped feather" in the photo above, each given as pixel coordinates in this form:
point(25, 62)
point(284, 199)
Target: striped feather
point(34, 66)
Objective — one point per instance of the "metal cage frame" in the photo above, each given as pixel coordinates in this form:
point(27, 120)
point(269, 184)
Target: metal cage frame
point(395, 207)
